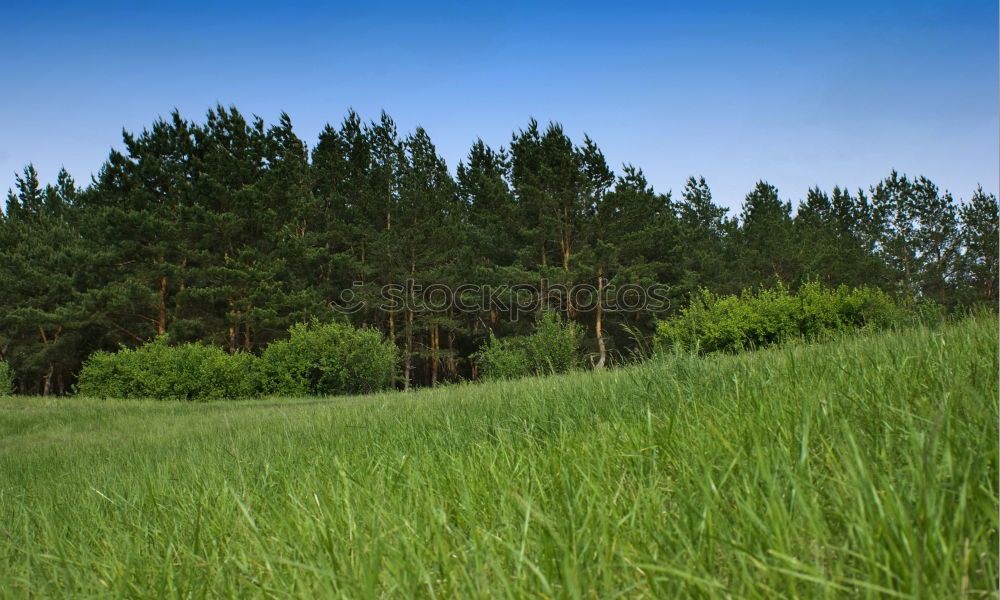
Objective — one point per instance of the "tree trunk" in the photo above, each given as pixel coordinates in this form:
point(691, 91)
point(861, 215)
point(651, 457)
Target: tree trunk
point(408, 363)
point(47, 381)
point(161, 318)
point(450, 364)
point(599, 314)
point(409, 331)
point(232, 333)
point(543, 289)
point(180, 291)
point(435, 346)
point(564, 248)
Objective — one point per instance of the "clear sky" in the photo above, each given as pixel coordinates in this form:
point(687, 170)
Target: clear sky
point(798, 93)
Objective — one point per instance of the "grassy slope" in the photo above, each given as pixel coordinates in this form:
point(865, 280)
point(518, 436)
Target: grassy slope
point(865, 468)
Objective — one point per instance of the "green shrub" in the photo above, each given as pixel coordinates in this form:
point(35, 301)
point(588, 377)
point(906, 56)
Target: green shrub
point(871, 308)
point(713, 323)
point(552, 348)
point(928, 312)
point(6, 379)
point(503, 359)
point(164, 372)
point(328, 359)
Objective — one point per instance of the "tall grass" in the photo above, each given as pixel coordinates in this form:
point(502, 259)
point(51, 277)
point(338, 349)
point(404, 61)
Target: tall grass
point(866, 468)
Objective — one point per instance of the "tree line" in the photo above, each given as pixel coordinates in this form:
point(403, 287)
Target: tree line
point(229, 231)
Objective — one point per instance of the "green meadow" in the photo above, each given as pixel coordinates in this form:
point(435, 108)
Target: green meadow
point(863, 468)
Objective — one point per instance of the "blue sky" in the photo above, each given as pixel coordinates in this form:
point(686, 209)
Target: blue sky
point(797, 93)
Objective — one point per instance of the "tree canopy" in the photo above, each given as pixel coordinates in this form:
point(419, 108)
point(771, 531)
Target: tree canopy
point(229, 231)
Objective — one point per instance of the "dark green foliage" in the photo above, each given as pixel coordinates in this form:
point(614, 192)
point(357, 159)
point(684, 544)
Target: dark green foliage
point(44, 308)
point(917, 236)
point(504, 358)
point(230, 230)
point(328, 359)
point(714, 323)
point(6, 379)
point(484, 190)
point(703, 229)
point(831, 241)
point(552, 348)
point(766, 238)
point(157, 370)
point(980, 236)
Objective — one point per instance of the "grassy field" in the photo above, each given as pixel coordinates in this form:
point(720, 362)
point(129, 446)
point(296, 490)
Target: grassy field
point(865, 468)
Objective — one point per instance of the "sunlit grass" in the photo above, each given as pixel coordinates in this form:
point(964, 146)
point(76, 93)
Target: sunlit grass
point(863, 468)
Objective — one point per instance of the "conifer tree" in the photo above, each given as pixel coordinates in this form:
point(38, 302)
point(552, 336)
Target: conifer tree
point(495, 230)
point(430, 231)
point(229, 230)
point(43, 268)
point(918, 237)
point(143, 193)
point(597, 230)
point(703, 229)
point(980, 238)
point(767, 237)
point(341, 165)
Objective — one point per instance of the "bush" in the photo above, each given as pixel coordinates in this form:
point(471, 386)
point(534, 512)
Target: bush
point(6, 379)
point(160, 371)
point(334, 358)
point(928, 312)
point(552, 348)
point(503, 359)
point(713, 323)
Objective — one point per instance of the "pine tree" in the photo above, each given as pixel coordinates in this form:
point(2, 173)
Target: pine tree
point(637, 244)
point(378, 212)
point(144, 194)
point(938, 241)
point(431, 239)
point(767, 237)
point(228, 231)
point(980, 235)
point(597, 228)
point(495, 230)
point(341, 165)
point(703, 229)
point(43, 267)
point(918, 237)
point(484, 188)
